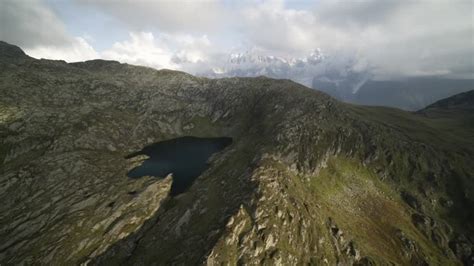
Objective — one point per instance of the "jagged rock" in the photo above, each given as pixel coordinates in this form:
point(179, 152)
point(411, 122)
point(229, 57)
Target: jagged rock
point(136, 161)
point(463, 249)
point(411, 200)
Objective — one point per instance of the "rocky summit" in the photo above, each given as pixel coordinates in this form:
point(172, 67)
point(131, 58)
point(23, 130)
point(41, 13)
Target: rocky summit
point(306, 180)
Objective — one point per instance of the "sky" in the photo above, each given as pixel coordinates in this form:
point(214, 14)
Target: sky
point(386, 38)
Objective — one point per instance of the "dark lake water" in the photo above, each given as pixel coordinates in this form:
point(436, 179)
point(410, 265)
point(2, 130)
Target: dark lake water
point(186, 158)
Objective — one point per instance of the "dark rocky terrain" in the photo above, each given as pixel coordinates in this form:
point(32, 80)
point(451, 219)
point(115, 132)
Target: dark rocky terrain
point(307, 179)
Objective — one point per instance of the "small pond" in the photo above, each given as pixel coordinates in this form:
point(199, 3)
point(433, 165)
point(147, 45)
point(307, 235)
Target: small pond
point(185, 157)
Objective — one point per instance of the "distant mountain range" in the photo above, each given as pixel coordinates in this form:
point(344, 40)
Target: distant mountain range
point(253, 64)
point(409, 94)
point(339, 77)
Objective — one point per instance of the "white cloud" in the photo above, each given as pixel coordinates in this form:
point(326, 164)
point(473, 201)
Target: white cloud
point(403, 38)
point(36, 28)
point(78, 50)
point(164, 51)
point(141, 49)
point(387, 38)
point(271, 26)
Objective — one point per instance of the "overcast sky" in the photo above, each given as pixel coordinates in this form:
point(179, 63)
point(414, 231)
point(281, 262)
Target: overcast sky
point(388, 38)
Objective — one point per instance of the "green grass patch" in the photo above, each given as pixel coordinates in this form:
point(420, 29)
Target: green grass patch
point(370, 211)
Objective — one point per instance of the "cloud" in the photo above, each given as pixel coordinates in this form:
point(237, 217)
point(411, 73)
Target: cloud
point(389, 39)
point(403, 38)
point(357, 13)
point(281, 31)
point(168, 16)
point(33, 26)
point(163, 51)
point(78, 50)
point(30, 23)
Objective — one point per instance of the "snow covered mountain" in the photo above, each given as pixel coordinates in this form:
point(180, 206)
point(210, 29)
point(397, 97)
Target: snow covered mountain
point(252, 63)
point(341, 77)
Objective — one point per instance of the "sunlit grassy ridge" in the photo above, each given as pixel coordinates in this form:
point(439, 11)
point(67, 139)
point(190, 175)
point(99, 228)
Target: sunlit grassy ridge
point(371, 212)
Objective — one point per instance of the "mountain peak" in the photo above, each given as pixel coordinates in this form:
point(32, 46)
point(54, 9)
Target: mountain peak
point(9, 52)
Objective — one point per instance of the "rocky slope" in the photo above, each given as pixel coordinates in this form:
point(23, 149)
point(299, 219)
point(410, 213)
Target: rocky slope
point(307, 180)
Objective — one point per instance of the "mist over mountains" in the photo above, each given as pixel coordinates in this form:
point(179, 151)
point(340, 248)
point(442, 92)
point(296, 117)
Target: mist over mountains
point(333, 46)
point(341, 77)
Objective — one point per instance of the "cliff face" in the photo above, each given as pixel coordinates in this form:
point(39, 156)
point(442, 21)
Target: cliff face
point(306, 180)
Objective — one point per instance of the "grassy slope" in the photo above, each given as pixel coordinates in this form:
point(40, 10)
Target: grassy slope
point(370, 211)
point(450, 134)
point(367, 207)
point(452, 130)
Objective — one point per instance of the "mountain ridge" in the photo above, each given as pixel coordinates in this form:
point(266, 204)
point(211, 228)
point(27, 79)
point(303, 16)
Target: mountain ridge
point(464, 100)
point(307, 180)
point(340, 78)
